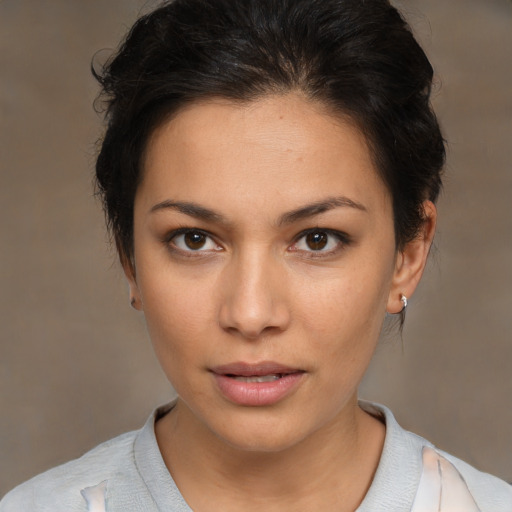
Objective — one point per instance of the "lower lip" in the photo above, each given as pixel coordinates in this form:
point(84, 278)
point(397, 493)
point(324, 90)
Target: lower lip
point(256, 394)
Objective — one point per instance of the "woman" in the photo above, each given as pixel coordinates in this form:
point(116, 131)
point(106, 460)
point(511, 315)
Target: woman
point(269, 172)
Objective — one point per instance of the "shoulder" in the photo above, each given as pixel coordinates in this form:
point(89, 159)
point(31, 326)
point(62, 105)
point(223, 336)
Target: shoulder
point(456, 479)
point(413, 475)
point(490, 493)
point(60, 489)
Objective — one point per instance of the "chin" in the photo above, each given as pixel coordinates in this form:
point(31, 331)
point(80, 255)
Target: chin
point(260, 433)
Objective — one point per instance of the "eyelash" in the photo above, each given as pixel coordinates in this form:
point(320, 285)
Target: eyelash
point(168, 241)
point(343, 240)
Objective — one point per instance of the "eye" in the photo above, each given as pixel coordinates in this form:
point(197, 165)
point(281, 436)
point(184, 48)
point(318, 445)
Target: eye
point(320, 241)
point(192, 240)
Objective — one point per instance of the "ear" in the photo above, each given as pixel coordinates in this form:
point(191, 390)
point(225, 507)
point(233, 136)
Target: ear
point(128, 265)
point(411, 261)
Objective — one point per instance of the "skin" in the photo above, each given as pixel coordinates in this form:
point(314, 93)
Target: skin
point(258, 290)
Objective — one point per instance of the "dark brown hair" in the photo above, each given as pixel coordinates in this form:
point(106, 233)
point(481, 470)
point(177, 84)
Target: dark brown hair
point(359, 58)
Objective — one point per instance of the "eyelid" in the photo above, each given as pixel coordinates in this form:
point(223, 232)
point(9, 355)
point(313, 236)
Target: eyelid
point(342, 238)
point(168, 238)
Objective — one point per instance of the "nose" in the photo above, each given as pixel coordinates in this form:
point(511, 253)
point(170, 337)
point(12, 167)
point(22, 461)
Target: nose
point(254, 297)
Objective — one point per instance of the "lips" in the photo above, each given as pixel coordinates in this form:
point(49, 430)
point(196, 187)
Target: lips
point(254, 378)
point(255, 385)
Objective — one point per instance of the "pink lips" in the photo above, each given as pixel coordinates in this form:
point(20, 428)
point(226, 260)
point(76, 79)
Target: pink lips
point(257, 384)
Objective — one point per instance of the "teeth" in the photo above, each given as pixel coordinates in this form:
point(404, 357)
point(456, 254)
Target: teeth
point(259, 378)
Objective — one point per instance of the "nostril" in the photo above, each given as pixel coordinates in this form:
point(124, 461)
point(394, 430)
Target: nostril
point(254, 324)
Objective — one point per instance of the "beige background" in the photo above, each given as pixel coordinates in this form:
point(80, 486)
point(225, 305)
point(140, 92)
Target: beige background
point(76, 366)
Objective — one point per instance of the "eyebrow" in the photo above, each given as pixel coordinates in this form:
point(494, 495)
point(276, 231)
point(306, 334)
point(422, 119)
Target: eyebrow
point(200, 212)
point(190, 209)
point(319, 207)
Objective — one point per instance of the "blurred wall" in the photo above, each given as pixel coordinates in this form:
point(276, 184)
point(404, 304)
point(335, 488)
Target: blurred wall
point(76, 366)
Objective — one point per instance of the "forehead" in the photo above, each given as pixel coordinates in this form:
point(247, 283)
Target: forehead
point(281, 148)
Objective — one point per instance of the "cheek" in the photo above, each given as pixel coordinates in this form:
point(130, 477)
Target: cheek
point(179, 315)
point(178, 322)
point(343, 300)
point(343, 314)
point(342, 340)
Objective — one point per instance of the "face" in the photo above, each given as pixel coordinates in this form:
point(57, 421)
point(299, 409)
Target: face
point(264, 262)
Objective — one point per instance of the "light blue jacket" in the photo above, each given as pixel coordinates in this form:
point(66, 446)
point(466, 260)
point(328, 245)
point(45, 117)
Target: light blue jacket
point(128, 474)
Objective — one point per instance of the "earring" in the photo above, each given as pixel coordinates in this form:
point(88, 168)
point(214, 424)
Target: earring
point(403, 298)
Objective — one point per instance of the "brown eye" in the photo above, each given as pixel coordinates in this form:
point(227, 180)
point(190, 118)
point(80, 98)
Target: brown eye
point(320, 242)
point(194, 240)
point(316, 241)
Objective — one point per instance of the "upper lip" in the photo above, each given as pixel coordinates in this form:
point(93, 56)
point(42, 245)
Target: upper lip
point(254, 369)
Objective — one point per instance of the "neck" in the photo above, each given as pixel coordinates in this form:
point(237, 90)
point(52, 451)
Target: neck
point(331, 468)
